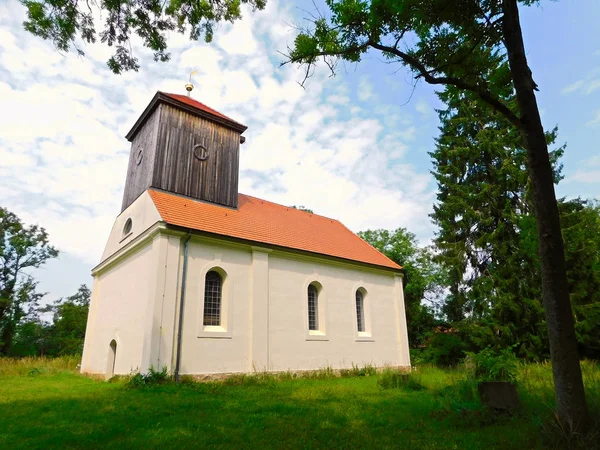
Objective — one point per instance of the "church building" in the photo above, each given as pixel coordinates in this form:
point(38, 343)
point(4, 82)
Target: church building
point(202, 279)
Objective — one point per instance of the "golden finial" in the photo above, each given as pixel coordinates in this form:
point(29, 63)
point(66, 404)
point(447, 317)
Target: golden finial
point(189, 86)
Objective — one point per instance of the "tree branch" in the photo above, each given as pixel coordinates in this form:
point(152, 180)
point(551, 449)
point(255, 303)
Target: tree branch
point(482, 93)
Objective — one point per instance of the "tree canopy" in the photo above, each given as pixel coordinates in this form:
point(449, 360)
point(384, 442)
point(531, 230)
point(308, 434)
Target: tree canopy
point(117, 22)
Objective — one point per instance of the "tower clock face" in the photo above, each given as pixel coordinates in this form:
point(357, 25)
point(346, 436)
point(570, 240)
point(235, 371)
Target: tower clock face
point(200, 152)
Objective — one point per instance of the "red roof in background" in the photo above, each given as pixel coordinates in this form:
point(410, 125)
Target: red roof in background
point(201, 106)
point(269, 223)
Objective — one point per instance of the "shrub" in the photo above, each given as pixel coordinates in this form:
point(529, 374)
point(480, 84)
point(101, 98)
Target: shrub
point(489, 365)
point(152, 377)
point(444, 349)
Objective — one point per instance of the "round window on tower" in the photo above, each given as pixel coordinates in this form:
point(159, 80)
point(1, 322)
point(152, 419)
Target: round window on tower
point(139, 156)
point(127, 227)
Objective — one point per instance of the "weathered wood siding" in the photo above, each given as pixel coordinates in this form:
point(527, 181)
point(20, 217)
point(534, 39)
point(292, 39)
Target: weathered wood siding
point(176, 168)
point(169, 137)
point(139, 176)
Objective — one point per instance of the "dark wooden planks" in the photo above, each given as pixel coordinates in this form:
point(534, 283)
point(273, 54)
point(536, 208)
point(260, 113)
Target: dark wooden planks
point(174, 168)
point(139, 176)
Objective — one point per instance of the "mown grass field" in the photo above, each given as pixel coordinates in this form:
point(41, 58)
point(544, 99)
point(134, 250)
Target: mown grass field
point(47, 404)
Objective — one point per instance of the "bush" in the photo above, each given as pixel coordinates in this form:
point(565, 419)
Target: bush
point(152, 377)
point(489, 365)
point(444, 349)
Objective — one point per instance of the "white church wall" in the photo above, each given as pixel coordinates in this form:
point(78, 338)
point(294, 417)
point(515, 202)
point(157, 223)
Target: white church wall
point(265, 310)
point(337, 344)
point(118, 312)
point(209, 349)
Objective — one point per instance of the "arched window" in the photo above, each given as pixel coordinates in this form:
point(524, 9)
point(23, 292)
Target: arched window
point(313, 308)
point(213, 288)
point(360, 311)
point(112, 358)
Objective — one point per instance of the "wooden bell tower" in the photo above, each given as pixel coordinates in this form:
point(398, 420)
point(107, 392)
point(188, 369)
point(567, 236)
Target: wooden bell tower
point(182, 146)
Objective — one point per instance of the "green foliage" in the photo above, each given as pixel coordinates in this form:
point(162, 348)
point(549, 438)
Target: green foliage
point(580, 221)
point(489, 365)
point(485, 221)
point(153, 377)
point(302, 208)
point(63, 336)
point(444, 349)
point(22, 248)
point(64, 22)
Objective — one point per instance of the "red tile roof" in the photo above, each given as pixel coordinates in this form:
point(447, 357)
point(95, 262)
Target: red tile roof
point(198, 105)
point(269, 223)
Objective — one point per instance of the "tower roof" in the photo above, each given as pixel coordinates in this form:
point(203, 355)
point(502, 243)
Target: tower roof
point(187, 104)
point(268, 223)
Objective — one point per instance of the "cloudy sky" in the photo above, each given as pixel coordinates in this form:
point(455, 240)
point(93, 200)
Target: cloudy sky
point(353, 147)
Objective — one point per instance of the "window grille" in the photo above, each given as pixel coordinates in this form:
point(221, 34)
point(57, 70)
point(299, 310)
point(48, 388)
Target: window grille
point(313, 308)
point(360, 311)
point(212, 299)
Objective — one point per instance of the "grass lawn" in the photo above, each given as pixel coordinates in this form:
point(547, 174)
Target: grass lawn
point(52, 406)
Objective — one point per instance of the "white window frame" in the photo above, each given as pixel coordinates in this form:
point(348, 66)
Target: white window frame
point(225, 329)
point(367, 334)
point(321, 333)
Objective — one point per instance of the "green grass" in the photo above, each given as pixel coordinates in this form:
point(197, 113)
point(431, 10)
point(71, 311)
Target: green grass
point(55, 407)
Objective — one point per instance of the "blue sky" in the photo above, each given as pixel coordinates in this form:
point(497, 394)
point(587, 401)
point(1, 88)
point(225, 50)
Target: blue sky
point(353, 147)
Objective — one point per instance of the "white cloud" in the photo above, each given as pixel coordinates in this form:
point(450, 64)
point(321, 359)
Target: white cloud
point(595, 121)
point(423, 108)
point(587, 85)
point(64, 156)
point(365, 90)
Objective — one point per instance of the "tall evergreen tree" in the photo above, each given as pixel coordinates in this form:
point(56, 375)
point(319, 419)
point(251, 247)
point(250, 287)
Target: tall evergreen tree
point(480, 165)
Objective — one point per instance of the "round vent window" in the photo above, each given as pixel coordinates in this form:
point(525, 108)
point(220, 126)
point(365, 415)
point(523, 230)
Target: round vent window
point(139, 156)
point(127, 227)
point(200, 152)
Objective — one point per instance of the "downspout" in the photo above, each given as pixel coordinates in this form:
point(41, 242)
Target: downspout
point(181, 304)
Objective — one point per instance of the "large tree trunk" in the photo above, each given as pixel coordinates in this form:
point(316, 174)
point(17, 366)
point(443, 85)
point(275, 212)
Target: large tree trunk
point(570, 395)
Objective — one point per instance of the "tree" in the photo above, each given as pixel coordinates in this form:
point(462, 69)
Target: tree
point(475, 46)
point(22, 248)
point(64, 22)
point(69, 321)
point(580, 221)
point(302, 208)
point(483, 201)
point(64, 335)
point(423, 277)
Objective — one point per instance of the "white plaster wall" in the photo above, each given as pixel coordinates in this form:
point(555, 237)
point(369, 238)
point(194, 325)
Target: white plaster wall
point(267, 328)
point(143, 215)
point(217, 351)
point(118, 309)
point(290, 344)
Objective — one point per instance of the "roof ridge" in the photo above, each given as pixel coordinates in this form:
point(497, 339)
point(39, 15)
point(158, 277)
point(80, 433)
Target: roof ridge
point(209, 109)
